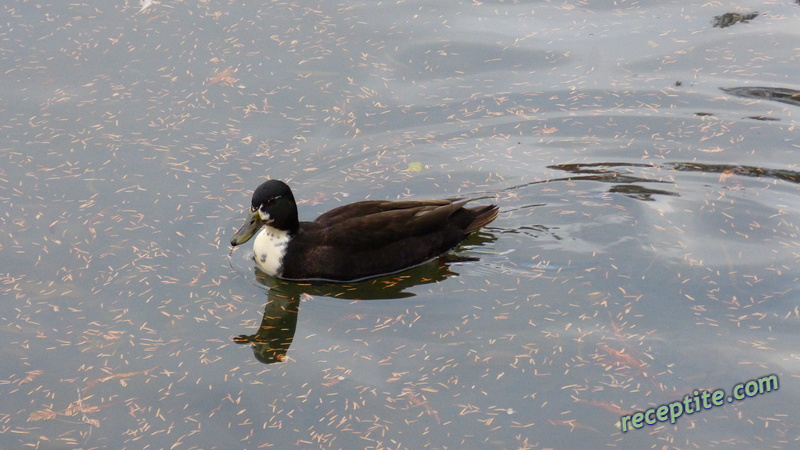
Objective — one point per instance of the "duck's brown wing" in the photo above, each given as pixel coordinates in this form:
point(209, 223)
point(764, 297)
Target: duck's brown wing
point(373, 207)
point(375, 224)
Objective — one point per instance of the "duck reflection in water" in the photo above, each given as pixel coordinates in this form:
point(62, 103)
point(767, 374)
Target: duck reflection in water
point(273, 338)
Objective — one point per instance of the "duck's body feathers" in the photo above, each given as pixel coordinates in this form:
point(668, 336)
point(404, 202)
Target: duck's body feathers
point(369, 238)
point(373, 224)
point(373, 238)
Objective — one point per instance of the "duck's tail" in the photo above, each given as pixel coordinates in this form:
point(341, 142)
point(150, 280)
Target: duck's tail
point(483, 215)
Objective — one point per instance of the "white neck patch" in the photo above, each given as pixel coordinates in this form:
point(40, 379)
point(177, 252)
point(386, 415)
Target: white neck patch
point(269, 249)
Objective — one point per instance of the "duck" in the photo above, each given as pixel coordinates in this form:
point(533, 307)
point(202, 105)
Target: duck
point(356, 241)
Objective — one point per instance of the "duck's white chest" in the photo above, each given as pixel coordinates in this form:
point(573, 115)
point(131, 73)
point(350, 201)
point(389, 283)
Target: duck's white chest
point(269, 249)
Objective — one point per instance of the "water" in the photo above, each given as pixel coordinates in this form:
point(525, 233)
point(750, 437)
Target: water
point(645, 248)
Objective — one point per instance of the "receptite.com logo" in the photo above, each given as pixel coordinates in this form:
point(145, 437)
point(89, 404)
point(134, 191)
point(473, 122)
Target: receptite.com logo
point(697, 402)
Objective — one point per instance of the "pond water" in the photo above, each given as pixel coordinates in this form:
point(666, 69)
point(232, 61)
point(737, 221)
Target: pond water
point(643, 155)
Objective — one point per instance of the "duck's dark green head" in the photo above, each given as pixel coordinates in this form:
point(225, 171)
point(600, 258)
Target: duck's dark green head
point(273, 204)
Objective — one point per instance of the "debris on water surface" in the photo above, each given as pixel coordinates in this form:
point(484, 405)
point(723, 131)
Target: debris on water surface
point(144, 4)
point(415, 166)
point(223, 76)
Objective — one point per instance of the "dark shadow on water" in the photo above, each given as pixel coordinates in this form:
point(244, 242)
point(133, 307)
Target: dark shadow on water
point(620, 174)
point(782, 95)
point(273, 338)
point(735, 169)
point(624, 181)
point(730, 19)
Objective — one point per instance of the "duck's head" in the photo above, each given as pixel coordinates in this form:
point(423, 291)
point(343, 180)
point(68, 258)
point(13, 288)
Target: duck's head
point(272, 205)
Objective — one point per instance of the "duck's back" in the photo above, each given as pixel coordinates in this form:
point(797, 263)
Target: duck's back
point(370, 238)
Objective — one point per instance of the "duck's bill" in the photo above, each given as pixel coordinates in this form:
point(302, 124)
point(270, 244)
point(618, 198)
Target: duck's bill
point(248, 230)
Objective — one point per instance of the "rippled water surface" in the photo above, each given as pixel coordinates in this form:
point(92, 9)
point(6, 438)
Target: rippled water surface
point(643, 155)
